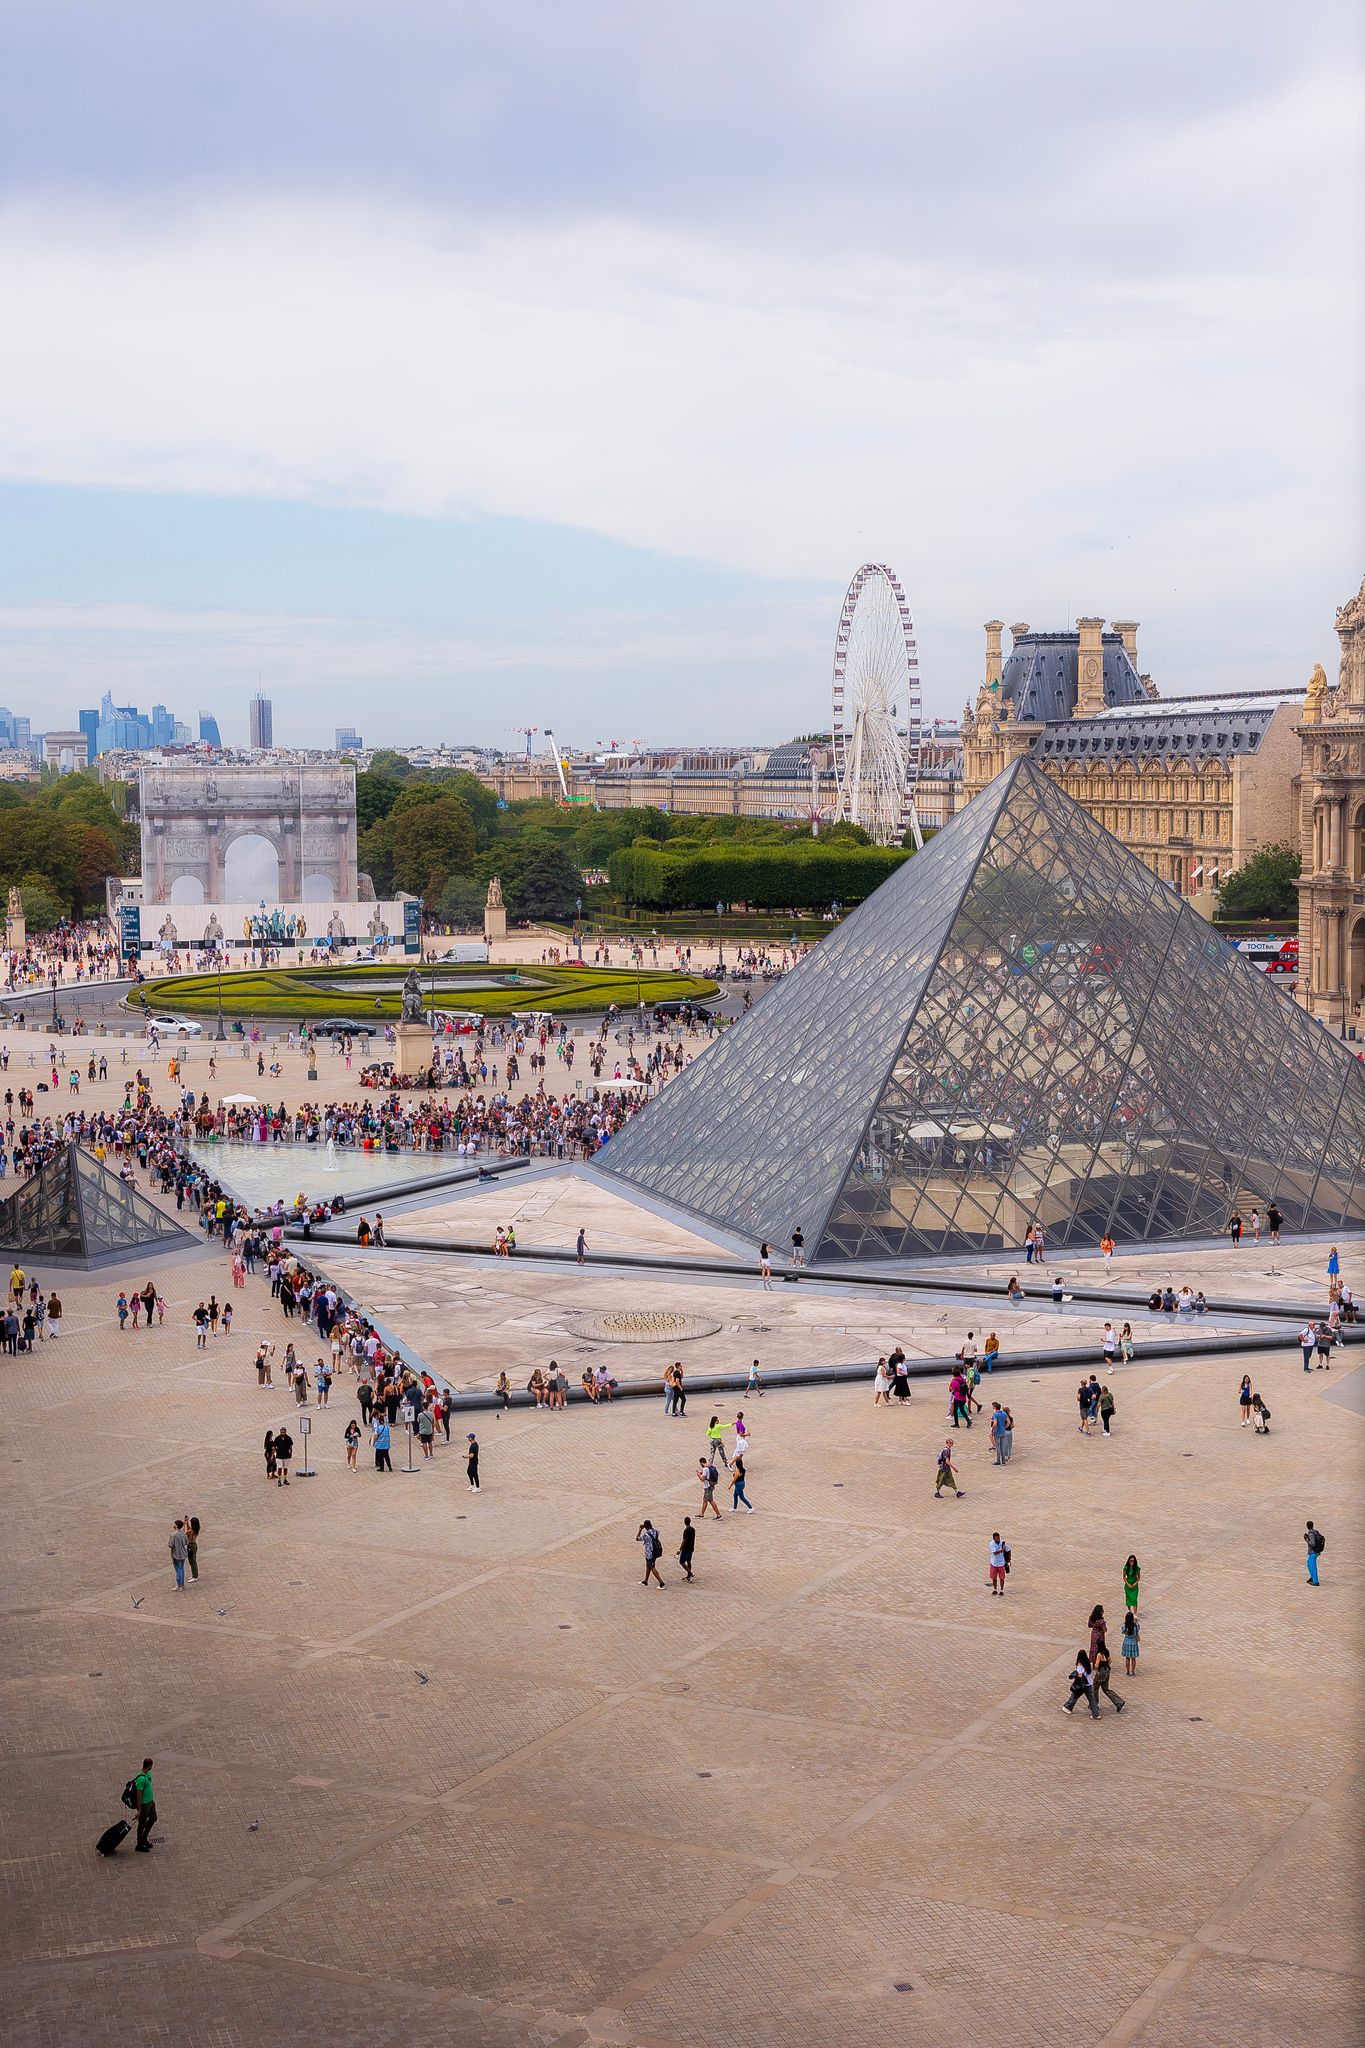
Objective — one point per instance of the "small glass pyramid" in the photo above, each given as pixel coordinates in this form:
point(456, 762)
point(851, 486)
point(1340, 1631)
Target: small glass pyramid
point(1023, 1025)
point(73, 1211)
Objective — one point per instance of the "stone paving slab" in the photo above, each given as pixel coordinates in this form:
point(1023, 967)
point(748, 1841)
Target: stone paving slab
point(894, 1797)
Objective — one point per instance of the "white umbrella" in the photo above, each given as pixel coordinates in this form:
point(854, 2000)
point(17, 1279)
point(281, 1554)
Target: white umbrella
point(925, 1130)
point(603, 1086)
point(240, 1102)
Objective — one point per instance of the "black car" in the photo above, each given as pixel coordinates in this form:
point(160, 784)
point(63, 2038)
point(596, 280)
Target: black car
point(342, 1027)
point(675, 1008)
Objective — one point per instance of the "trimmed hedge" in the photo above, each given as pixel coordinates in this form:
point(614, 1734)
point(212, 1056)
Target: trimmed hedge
point(302, 993)
point(803, 875)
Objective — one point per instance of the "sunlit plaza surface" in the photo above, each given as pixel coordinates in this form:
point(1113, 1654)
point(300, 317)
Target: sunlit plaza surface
point(433, 1766)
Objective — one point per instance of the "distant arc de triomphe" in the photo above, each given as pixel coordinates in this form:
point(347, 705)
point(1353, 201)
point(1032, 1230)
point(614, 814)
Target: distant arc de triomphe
point(224, 834)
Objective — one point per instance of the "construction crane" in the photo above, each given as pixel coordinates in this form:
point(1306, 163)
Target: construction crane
point(528, 732)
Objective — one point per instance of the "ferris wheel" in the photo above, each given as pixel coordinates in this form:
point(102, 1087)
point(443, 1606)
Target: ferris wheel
point(877, 708)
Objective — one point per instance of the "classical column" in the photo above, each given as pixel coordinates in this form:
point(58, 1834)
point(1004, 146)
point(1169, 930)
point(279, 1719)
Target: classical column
point(214, 830)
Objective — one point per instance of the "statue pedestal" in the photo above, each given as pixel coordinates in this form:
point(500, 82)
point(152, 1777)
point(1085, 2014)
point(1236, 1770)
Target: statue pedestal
point(412, 1052)
point(494, 922)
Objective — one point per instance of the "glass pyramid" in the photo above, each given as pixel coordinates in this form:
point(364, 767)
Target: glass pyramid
point(1023, 1025)
point(75, 1212)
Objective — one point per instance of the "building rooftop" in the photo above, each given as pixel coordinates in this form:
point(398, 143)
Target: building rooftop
point(1198, 728)
point(1039, 679)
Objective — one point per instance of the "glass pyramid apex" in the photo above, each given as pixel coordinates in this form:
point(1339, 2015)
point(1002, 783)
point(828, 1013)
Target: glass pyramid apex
point(1022, 1025)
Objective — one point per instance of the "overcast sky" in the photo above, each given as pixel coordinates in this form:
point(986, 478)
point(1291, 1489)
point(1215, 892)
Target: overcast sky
point(443, 369)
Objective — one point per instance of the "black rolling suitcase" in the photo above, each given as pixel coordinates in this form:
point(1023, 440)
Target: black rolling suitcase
point(112, 1837)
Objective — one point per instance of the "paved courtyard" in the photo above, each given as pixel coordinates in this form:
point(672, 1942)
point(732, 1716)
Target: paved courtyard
point(435, 1767)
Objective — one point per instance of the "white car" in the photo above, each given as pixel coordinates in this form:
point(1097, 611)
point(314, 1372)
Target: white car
point(174, 1027)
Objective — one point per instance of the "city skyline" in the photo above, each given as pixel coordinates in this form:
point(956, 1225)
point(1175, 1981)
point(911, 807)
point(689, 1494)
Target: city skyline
point(587, 384)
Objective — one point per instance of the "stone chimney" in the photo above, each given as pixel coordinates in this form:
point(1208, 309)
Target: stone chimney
point(1127, 632)
point(1090, 668)
point(994, 659)
point(1017, 632)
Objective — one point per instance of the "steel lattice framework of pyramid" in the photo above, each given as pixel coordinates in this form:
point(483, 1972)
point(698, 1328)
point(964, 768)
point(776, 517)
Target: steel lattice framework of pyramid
point(1023, 1025)
point(74, 1212)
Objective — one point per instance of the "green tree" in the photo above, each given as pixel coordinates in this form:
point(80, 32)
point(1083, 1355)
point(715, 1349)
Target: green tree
point(461, 903)
point(375, 797)
point(431, 842)
point(96, 857)
point(539, 878)
point(1264, 885)
point(386, 762)
point(43, 908)
point(480, 802)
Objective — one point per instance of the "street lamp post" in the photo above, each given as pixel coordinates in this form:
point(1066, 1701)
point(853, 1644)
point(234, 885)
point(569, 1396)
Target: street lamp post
point(220, 1034)
point(578, 926)
point(720, 936)
point(54, 998)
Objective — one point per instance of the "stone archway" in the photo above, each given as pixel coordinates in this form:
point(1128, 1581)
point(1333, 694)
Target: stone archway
point(318, 889)
point(251, 869)
point(187, 889)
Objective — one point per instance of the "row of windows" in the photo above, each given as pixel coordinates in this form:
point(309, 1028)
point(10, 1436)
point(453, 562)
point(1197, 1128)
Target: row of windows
point(1128, 823)
point(1178, 789)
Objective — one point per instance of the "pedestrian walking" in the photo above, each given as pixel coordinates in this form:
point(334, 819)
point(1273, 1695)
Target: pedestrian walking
point(1083, 1404)
point(648, 1535)
point(945, 1475)
point(1132, 1581)
point(715, 1441)
point(1082, 1686)
point(145, 1800)
point(1244, 1399)
point(1274, 1222)
point(765, 1266)
point(686, 1548)
point(1109, 1344)
point(1126, 1343)
point(738, 1496)
point(471, 1461)
point(999, 1563)
point(1106, 1411)
point(284, 1451)
point(426, 1433)
point(709, 1477)
point(581, 1246)
point(270, 1454)
point(755, 1382)
point(1132, 1637)
point(1103, 1669)
point(998, 1428)
point(1107, 1251)
point(352, 1441)
point(380, 1435)
point(798, 1246)
point(1314, 1543)
point(178, 1544)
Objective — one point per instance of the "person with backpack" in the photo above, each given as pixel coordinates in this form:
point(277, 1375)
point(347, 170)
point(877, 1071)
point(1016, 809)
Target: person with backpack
point(144, 1803)
point(999, 1564)
point(709, 1476)
point(1082, 1684)
point(1315, 1543)
point(649, 1536)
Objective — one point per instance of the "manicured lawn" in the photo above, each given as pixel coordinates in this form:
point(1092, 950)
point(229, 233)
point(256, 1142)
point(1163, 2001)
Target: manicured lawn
point(301, 993)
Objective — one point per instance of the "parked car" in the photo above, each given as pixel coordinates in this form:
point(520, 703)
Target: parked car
point(675, 1008)
point(342, 1027)
point(175, 1027)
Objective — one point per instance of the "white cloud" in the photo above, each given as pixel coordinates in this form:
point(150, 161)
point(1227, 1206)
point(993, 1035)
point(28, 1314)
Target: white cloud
point(1114, 391)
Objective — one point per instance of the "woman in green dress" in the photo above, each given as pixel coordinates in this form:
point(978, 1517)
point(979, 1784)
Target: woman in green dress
point(1132, 1579)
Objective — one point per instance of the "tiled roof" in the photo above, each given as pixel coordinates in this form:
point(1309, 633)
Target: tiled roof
point(1038, 681)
